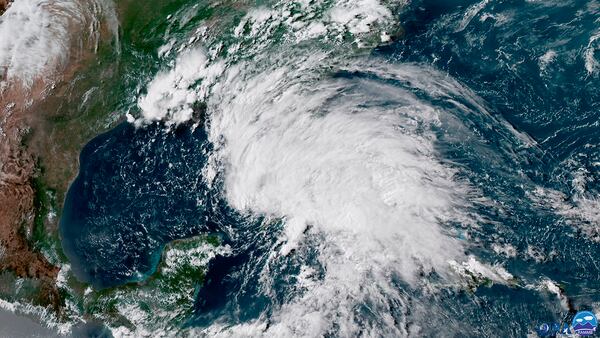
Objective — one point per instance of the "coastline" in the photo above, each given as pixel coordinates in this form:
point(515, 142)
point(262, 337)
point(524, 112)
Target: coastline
point(35, 170)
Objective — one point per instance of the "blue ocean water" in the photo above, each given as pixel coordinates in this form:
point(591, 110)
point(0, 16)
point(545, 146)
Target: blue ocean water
point(527, 60)
point(555, 105)
point(136, 191)
point(141, 188)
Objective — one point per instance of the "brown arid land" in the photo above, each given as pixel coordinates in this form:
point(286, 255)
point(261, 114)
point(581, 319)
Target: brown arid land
point(4, 5)
point(17, 195)
point(30, 154)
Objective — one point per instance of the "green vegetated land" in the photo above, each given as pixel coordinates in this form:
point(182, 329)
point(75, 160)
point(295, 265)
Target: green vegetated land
point(105, 84)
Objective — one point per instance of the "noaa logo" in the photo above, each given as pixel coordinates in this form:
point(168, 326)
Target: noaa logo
point(552, 330)
point(585, 323)
point(543, 330)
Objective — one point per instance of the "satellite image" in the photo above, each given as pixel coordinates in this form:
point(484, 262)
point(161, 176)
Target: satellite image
point(299, 168)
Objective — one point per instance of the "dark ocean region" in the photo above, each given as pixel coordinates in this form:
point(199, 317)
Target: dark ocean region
point(532, 63)
point(137, 190)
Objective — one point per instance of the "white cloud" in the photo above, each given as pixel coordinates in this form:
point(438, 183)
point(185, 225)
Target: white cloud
point(36, 35)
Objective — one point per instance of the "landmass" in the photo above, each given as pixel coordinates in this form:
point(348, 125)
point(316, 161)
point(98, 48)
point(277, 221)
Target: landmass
point(43, 127)
point(40, 137)
point(4, 5)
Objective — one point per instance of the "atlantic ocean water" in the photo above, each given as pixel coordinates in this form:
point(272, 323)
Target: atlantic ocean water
point(443, 183)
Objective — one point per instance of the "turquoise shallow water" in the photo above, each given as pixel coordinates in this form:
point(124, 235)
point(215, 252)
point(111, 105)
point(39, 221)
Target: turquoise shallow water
point(533, 158)
point(137, 190)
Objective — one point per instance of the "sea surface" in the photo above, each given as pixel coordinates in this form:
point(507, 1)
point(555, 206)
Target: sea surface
point(378, 169)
